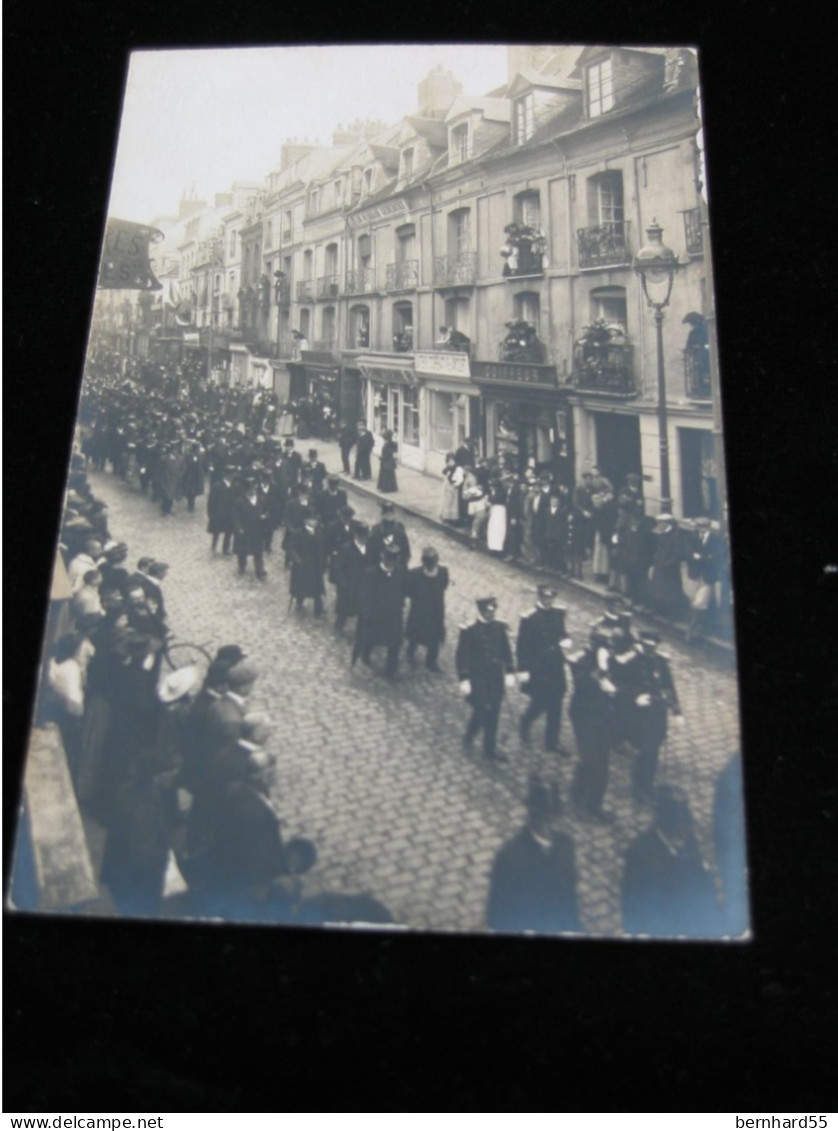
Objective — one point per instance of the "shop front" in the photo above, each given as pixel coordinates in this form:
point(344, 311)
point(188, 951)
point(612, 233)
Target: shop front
point(449, 405)
point(390, 402)
point(527, 419)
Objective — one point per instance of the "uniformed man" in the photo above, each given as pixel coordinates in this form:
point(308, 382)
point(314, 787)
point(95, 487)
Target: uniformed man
point(485, 669)
point(650, 690)
point(389, 532)
point(542, 638)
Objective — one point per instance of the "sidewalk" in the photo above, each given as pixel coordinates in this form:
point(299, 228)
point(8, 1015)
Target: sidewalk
point(419, 495)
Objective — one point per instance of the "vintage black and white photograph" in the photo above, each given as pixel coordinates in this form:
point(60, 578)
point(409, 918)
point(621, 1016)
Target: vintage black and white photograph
point(392, 586)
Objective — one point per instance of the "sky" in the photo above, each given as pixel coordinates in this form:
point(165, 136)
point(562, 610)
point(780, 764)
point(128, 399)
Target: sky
point(204, 118)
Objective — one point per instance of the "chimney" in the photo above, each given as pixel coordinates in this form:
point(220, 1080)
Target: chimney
point(437, 91)
point(223, 199)
point(292, 151)
point(189, 207)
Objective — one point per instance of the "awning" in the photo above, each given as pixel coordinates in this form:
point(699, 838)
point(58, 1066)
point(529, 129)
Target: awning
point(387, 370)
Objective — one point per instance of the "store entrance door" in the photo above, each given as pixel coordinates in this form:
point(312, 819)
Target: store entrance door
point(617, 446)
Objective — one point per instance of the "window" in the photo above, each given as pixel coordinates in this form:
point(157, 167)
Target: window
point(331, 261)
point(459, 232)
point(600, 88)
point(608, 204)
point(407, 164)
point(609, 305)
point(527, 307)
point(269, 234)
point(410, 415)
point(327, 324)
point(305, 323)
point(287, 225)
point(528, 209)
point(338, 194)
point(364, 251)
point(314, 202)
point(232, 245)
point(524, 118)
point(403, 327)
point(460, 144)
point(457, 315)
point(368, 180)
point(308, 264)
point(405, 243)
point(358, 328)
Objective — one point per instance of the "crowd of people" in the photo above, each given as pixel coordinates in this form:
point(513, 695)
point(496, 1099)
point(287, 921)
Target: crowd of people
point(655, 564)
point(175, 764)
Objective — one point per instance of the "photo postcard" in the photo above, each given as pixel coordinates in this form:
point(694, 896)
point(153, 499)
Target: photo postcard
point(392, 585)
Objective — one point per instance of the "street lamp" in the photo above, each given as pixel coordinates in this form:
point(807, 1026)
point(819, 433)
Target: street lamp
point(656, 265)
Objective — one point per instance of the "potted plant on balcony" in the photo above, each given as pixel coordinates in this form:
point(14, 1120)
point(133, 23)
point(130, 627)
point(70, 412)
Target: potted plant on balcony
point(524, 250)
point(595, 353)
point(521, 343)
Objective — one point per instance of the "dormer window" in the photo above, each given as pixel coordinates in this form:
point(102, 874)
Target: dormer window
point(524, 126)
point(599, 85)
point(407, 164)
point(460, 144)
point(315, 202)
point(338, 194)
point(367, 180)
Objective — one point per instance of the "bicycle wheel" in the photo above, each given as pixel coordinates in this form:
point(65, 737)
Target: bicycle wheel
point(183, 654)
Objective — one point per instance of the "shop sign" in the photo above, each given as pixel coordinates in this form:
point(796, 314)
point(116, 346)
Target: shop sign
point(443, 363)
point(508, 373)
point(192, 338)
point(384, 211)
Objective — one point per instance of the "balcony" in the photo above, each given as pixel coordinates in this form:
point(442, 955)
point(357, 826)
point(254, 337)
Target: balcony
point(693, 234)
point(305, 290)
point(403, 340)
point(328, 286)
point(455, 270)
point(605, 245)
point(697, 373)
point(360, 281)
point(403, 276)
point(523, 252)
point(604, 367)
point(523, 353)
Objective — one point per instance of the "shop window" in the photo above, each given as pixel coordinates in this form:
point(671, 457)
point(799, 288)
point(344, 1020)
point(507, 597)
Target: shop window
point(380, 414)
point(448, 420)
point(410, 415)
point(403, 327)
point(358, 328)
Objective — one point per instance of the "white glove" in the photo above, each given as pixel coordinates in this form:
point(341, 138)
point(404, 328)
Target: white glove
point(608, 687)
point(510, 680)
point(465, 686)
point(524, 677)
point(643, 700)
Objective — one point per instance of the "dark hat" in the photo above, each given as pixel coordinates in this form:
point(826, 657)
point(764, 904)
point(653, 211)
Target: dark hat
point(144, 563)
point(229, 655)
point(346, 513)
point(332, 479)
point(312, 452)
point(289, 442)
point(388, 508)
point(429, 554)
point(158, 569)
point(485, 604)
point(360, 529)
point(547, 591)
point(647, 636)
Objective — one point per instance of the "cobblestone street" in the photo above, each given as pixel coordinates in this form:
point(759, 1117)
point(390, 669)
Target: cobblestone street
point(375, 772)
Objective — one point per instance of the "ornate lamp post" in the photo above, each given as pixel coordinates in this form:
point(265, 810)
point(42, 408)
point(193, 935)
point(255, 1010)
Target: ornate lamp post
point(656, 265)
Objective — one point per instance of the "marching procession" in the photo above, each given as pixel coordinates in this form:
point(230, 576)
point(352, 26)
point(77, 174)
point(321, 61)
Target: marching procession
point(177, 766)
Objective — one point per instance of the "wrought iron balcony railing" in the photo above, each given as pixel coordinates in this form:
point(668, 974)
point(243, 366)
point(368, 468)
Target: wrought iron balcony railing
point(604, 368)
point(360, 281)
point(305, 290)
point(455, 270)
point(525, 353)
point(697, 373)
point(328, 286)
point(692, 232)
point(403, 276)
point(604, 245)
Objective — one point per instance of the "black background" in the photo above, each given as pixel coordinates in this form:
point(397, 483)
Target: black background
point(122, 1017)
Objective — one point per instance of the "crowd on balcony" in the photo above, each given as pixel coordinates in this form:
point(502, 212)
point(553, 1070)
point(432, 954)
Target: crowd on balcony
point(522, 344)
point(524, 251)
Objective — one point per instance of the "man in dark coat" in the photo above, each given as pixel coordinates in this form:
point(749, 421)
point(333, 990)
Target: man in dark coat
point(426, 587)
point(249, 539)
point(389, 532)
point(268, 492)
point(347, 440)
point(169, 476)
point(380, 622)
point(542, 638)
point(331, 501)
point(533, 880)
point(485, 668)
point(308, 564)
point(349, 564)
point(315, 471)
point(592, 706)
point(296, 513)
point(650, 695)
point(667, 890)
point(220, 517)
point(193, 474)
point(337, 533)
point(288, 475)
point(363, 452)
point(666, 595)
